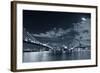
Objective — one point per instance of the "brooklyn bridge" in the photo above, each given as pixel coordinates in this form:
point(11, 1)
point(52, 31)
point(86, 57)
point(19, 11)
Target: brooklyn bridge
point(31, 44)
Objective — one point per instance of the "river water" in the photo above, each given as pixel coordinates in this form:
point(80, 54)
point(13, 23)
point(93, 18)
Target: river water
point(48, 56)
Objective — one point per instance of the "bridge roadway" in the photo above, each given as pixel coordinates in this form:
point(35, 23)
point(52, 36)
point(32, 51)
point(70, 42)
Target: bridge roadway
point(48, 47)
point(38, 44)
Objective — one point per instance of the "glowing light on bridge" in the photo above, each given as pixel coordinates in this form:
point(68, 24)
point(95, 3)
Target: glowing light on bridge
point(65, 46)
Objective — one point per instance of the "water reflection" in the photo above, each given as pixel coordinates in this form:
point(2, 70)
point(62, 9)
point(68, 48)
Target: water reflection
point(48, 56)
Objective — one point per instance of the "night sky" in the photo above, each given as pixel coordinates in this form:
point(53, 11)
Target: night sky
point(42, 21)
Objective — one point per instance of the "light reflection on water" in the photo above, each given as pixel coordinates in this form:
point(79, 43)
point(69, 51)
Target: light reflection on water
point(48, 56)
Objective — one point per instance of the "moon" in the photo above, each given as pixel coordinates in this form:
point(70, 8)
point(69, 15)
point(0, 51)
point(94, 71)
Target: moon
point(83, 18)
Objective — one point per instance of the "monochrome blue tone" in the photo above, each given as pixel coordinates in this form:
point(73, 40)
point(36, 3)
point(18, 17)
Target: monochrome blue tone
point(56, 36)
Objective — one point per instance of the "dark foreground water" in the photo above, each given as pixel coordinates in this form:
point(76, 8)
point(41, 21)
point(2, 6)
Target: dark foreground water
point(48, 56)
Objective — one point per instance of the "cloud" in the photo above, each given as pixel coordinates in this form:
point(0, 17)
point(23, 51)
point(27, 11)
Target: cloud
point(52, 33)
